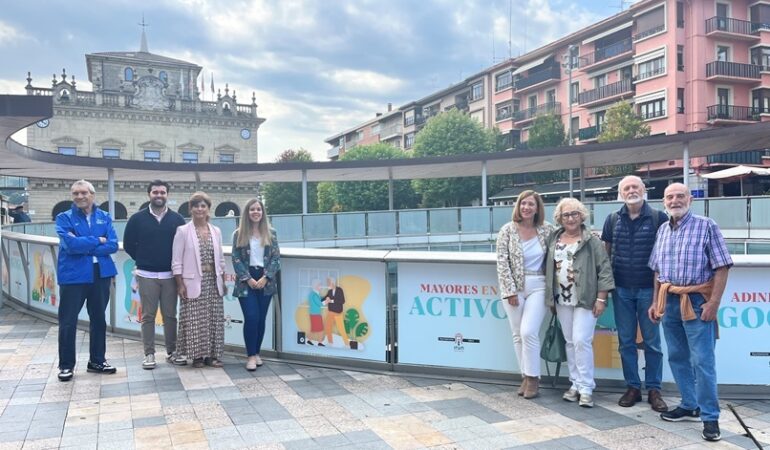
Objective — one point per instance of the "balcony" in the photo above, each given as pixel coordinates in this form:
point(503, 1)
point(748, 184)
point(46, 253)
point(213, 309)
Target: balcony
point(541, 76)
point(728, 114)
point(607, 54)
point(727, 27)
point(613, 91)
point(389, 132)
point(589, 133)
point(731, 71)
point(526, 115)
point(643, 34)
point(333, 153)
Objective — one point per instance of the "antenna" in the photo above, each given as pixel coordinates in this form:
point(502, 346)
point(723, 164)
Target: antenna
point(510, 27)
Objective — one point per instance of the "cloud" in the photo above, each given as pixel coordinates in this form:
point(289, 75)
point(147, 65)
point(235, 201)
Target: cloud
point(363, 81)
point(9, 34)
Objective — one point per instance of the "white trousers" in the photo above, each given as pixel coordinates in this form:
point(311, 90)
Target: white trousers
point(526, 320)
point(578, 325)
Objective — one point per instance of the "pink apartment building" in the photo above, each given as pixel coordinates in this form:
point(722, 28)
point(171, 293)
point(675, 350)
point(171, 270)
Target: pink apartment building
point(684, 65)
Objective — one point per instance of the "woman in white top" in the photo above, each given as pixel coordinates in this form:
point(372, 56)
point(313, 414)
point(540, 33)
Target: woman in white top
point(256, 261)
point(521, 247)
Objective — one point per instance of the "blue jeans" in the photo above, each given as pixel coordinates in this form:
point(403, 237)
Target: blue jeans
point(254, 306)
point(691, 356)
point(96, 296)
point(631, 305)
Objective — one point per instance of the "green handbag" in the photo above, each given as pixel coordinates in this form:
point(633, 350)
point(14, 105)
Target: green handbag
point(554, 347)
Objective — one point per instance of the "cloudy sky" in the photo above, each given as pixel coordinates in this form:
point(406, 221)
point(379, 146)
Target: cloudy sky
point(317, 67)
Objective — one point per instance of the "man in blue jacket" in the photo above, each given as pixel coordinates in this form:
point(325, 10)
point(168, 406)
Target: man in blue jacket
point(85, 271)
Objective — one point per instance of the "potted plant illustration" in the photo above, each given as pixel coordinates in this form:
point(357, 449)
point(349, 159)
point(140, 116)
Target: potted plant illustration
point(354, 328)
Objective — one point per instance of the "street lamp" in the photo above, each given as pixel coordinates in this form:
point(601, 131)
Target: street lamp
point(569, 66)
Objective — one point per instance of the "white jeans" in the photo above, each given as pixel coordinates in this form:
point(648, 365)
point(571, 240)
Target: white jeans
point(526, 320)
point(578, 325)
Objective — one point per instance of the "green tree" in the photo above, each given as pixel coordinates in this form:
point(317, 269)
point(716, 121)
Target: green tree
point(621, 123)
point(366, 195)
point(451, 133)
point(286, 198)
point(547, 131)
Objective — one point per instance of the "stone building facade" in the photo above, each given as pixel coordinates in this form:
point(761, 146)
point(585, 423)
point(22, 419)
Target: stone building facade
point(144, 107)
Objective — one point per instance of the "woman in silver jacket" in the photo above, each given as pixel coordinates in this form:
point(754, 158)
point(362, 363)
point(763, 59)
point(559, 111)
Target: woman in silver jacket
point(521, 247)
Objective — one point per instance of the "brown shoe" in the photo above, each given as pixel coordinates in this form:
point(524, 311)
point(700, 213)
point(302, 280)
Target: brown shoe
point(533, 383)
point(630, 398)
point(656, 401)
point(523, 385)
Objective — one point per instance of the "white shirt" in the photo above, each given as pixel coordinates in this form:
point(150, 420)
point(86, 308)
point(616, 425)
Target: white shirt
point(147, 273)
point(257, 257)
point(533, 255)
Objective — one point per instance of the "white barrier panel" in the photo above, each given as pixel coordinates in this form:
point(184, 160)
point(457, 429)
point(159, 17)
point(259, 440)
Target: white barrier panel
point(304, 282)
point(743, 347)
point(18, 279)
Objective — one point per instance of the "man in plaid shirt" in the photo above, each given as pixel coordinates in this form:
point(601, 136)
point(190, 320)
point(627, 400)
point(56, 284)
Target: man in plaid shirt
point(691, 262)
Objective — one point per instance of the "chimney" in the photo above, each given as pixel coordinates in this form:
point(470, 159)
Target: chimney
point(390, 107)
point(377, 114)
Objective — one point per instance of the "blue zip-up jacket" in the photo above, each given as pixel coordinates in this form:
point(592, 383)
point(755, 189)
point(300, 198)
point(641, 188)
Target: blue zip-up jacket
point(79, 243)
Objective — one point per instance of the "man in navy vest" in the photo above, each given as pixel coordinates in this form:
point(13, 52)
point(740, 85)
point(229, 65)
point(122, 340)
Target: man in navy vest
point(629, 236)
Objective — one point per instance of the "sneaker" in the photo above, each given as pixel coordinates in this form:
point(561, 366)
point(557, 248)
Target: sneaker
point(65, 374)
point(259, 361)
point(711, 431)
point(177, 360)
point(149, 362)
point(586, 401)
point(680, 414)
point(251, 364)
point(104, 368)
point(571, 395)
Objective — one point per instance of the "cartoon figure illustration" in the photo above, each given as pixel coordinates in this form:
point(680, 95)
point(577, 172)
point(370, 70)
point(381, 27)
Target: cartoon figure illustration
point(316, 320)
point(136, 301)
point(334, 301)
point(43, 289)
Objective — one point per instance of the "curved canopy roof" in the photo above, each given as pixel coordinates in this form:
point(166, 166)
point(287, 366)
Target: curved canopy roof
point(18, 112)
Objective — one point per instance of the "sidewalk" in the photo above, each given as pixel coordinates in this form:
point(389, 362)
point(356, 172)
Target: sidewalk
point(297, 407)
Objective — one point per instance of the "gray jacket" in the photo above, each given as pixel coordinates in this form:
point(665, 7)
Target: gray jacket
point(591, 264)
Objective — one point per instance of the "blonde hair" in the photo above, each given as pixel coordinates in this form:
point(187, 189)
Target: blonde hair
point(245, 226)
point(565, 202)
point(539, 214)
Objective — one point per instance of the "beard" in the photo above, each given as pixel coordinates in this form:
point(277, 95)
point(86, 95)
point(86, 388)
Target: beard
point(158, 202)
point(634, 200)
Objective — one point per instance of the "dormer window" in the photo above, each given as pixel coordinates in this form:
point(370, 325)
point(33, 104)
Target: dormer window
point(163, 76)
point(128, 74)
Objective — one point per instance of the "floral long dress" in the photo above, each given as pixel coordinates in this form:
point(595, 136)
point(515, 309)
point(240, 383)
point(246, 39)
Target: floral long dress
point(202, 319)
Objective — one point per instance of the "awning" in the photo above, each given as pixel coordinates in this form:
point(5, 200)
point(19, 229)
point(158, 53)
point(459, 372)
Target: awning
point(607, 33)
point(737, 171)
point(532, 64)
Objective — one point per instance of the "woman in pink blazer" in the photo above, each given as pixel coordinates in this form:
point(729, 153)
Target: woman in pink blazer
point(198, 264)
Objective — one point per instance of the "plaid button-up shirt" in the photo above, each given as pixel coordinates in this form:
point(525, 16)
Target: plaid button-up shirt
point(688, 253)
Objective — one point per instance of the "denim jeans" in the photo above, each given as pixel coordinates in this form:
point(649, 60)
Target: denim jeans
point(691, 356)
point(254, 307)
point(631, 305)
point(96, 296)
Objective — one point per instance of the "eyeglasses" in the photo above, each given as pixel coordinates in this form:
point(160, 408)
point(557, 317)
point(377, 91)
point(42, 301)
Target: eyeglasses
point(571, 215)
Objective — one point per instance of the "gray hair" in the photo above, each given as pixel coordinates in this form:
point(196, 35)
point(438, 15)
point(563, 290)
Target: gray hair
point(631, 177)
point(85, 183)
point(568, 201)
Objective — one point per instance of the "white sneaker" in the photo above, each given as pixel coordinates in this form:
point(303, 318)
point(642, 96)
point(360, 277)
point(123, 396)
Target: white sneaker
point(149, 362)
point(571, 395)
point(177, 360)
point(586, 401)
point(259, 361)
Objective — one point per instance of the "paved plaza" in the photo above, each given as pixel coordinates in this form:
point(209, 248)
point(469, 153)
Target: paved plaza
point(291, 406)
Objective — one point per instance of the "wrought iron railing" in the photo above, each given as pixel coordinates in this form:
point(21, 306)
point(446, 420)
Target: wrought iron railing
point(609, 90)
point(732, 112)
point(733, 69)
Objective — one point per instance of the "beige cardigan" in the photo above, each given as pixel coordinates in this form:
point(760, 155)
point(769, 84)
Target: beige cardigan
point(510, 259)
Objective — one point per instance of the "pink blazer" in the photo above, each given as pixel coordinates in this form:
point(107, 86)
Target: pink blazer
point(186, 260)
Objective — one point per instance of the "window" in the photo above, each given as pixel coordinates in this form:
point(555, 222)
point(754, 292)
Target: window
point(574, 57)
point(550, 96)
point(226, 158)
point(532, 102)
point(600, 81)
point(760, 15)
point(723, 53)
point(652, 109)
point(409, 118)
point(477, 91)
point(651, 68)
point(376, 129)
point(409, 140)
point(574, 91)
point(723, 102)
point(680, 58)
point(69, 151)
point(575, 127)
point(190, 157)
point(599, 120)
point(680, 14)
point(163, 76)
point(649, 23)
point(503, 80)
point(128, 74)
point(760, 56)
point(680, 100)
point(503, 111)
point(152, 155)
point(111, 153)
